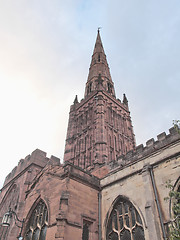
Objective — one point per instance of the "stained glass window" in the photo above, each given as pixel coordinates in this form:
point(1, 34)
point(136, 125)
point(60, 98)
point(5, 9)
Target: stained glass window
point(37, 225)
point(124, 222)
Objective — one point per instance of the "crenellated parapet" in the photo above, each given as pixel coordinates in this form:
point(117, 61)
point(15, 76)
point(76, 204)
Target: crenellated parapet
point(152, 146)
point(37, 157)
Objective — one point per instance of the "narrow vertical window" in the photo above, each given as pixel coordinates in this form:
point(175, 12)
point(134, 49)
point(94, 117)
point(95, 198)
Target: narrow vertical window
point(90, 158)
point(115, 141)
point(99, 59)
point(84, 161)
point(79, 146)
point(85, 232)
point(109, 88)
point(88, 90)
point(110, 155)
point(74, 151)
point(90, 141)
point(90, 87)
point(85, 142)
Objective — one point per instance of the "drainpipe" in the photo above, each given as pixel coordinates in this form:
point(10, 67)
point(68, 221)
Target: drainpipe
point(157, 202)
point(99, 213)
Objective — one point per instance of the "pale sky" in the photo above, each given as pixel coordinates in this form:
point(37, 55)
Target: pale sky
point(45, 53)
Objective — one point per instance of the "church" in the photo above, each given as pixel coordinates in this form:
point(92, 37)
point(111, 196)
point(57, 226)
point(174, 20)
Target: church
point(107, 187)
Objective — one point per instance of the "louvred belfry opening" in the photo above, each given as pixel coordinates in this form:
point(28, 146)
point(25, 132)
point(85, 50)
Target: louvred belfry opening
point(99, 128)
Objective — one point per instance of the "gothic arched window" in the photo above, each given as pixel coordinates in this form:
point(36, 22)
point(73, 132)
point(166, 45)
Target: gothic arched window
point(124, 222)
point(10, 200)
point(38, 222)
point(174, 196)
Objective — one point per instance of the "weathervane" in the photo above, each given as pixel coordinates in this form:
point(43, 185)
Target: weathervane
point(99, 28)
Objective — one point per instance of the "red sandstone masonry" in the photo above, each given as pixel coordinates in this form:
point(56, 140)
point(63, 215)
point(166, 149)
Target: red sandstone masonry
point(37, 157)
point(99, 128)
point(17, 183)
point(100, 141)
point(72, 189)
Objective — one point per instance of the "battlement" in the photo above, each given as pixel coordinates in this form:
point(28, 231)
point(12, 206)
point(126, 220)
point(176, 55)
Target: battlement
point(151, 146)
point(37, 157)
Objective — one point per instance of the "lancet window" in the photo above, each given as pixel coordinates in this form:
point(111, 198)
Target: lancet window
point(109, 88)
point(124, 222)
point(89, 89)
point(37, 225)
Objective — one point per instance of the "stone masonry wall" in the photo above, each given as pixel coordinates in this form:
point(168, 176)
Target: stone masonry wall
point(17, 183)
point(71, 196)
point(132, 179)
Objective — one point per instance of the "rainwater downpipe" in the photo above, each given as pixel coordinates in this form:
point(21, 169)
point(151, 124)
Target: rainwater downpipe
point(99, 213)
point(157, 202)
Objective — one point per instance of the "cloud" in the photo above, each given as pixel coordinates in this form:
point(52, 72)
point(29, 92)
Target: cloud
point(45, 51)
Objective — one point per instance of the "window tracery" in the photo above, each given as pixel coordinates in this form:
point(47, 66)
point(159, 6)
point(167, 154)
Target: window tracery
point(124, 222)
point(11, 200)
point(172, 226)
point(38, 222)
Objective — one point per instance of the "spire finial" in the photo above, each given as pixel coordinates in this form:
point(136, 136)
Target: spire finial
point(125, 101)
point(99, 65)
point(99, 29)
point(76, 99)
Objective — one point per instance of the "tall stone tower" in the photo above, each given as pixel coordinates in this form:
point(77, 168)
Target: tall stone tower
point(99, 128)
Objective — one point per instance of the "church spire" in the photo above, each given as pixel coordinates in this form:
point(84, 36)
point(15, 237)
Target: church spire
point(98, 48)
point(99, 77)
point(99, 128)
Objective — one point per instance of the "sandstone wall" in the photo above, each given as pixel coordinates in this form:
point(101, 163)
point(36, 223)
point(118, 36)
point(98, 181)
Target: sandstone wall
point(71, 196)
